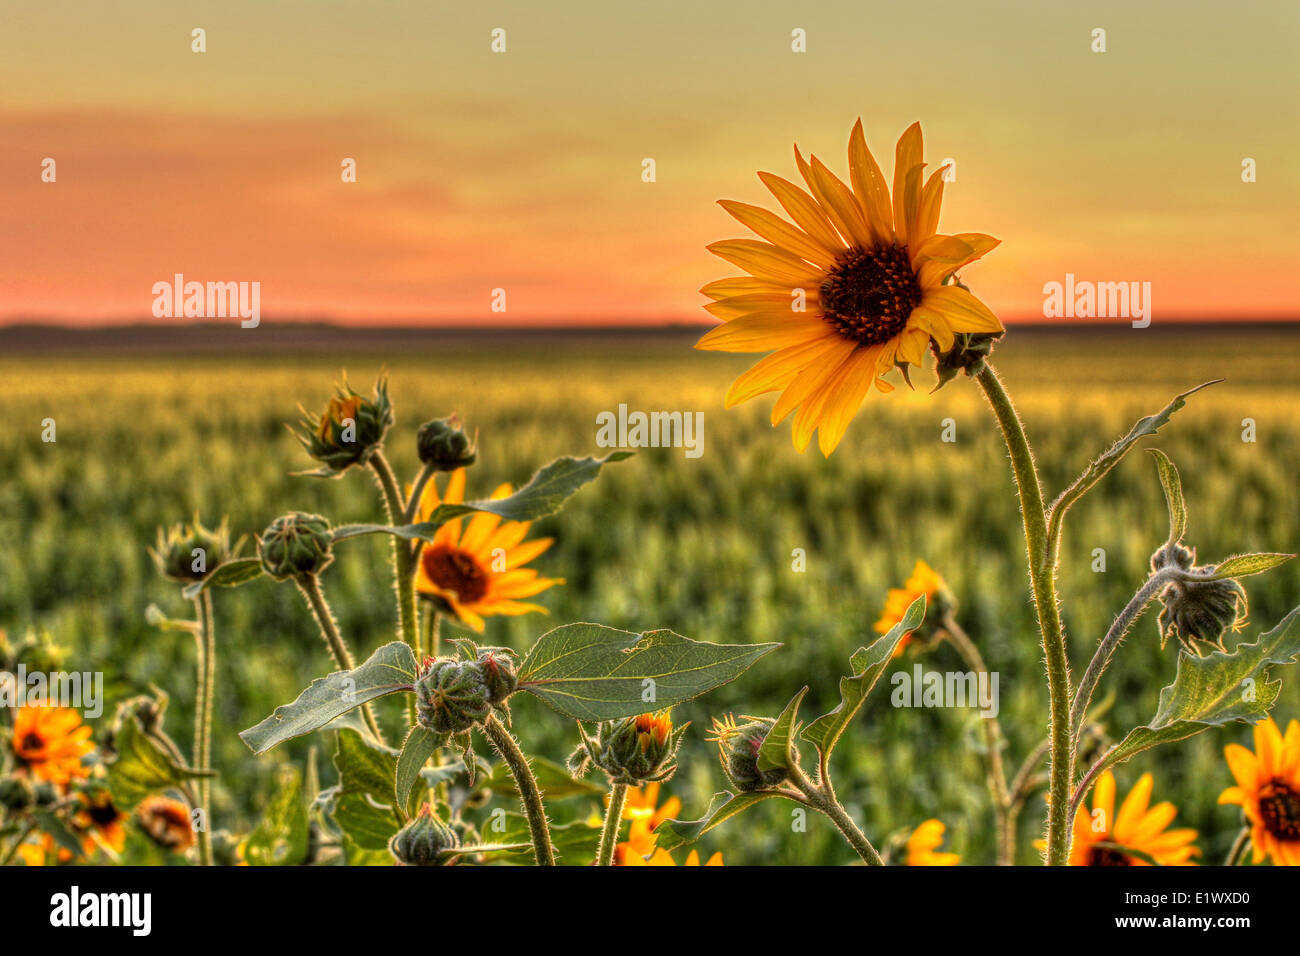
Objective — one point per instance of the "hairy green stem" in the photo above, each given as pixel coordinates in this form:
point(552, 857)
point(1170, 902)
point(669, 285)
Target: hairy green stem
point(1110, 643)
point(529, 793)
point(413, 502)
point(613, 817)
point(996, 774)
point(1239, 846)
point(821, 797)
point(205, 683)
point(310, 587)
point(1042, 577)
point(403, 560)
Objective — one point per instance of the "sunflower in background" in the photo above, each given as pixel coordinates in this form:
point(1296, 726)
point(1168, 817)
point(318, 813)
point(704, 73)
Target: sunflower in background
point(923, 844)
point(1138, 826)
point(924, 580)
point(1268, 791)
point(166, 821)
point(99, 822)
point(478, 572)
point(643, 813)
point(50, 742)
point(851, 289)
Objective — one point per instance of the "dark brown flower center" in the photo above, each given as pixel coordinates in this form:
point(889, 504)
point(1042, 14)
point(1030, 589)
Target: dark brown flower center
point(455, 570)
point(103, 813)
point(1107, 856)
point(31, 744)
point(1279, 809)
point(870, 293)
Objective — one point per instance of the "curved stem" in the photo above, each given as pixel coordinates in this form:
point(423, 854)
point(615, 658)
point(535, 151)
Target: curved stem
point(996, 774)
point(1021, 783)
point(1239, 846)
point(310, 587)
point(413, 503)
point(613, 817)
point(204, 685)
point(822, 799)
point(1088, 780)
point(1110, 643)
point(403, 566)
point(529, 793)
point(1042, 577)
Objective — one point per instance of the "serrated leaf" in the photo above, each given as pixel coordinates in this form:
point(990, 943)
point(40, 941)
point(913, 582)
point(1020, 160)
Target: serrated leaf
point(1243, 565)
point(1208, 691)
point(280, 839)
point(419, 746)
point(1173, 488)
point(142, 767)
point(672, 834)
point(775, 752)
point(543, 495)
point(388, 670)
point(868, 664)
point(592, 672)
point(228, 574)
point(1101, 466)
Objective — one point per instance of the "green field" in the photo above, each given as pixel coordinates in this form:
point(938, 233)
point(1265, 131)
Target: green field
point(702, 546)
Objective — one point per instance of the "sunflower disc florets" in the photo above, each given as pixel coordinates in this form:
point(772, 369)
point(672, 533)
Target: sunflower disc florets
point(296, 544)
point(635, 750)
point(349, 431)
point(738, 746)
point(188, 552)
point(443, 444)
point(452, 696)
point(424, 841)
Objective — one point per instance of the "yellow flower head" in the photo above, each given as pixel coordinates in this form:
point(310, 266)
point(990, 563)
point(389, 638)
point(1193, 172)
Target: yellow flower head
point(1102, 836)
point(924, 580)
point(479, 571)
point(167, 822)
point(341, 409)
point(653, 729)
point(643, 813)
point(49, 743)
point(852, 288)
point(1268, 791)
point(99, 821)
point(923, 844)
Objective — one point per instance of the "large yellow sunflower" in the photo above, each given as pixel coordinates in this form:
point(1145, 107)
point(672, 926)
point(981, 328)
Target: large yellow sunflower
point(49, 742)
point(479, 572)
point(1100, 838)
point(849, 290)
point(1268, 790)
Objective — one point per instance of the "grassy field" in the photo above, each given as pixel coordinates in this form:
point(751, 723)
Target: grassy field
point(703, 546)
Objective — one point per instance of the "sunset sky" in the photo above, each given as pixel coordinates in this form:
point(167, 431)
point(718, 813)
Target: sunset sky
point(522, 170)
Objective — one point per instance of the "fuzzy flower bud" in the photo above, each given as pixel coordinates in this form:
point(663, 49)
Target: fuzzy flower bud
point(349, 431)
point(738, 747)
point(443, 444)
point(294, 544)
point(634, 750)
point(1199, 613)
point(498, 673)
point(187, 552)
point(424, 841)
point(452, 696)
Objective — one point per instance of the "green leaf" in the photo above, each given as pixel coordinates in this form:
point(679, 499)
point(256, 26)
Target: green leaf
point(281, 837)
point(388, 670)
point(575, 842)
point(555, 782)
point(419, 747)
point(868, 664)
point(365, 823)
point(228, 574)
point(1242, 565)
point(545, 492)
point(1173, 487)
point(775, 751)
point(1210, 691)
point(724, 805)
point(1103, 463)
point(142, 767)
point(593, 672)
point(62, 834)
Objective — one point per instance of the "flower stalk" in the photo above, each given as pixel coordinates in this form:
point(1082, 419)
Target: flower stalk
point(821, 797)
point(310, 587)
point(530, 795)
point(204, 687)
point(613, 818)
point(403, 560)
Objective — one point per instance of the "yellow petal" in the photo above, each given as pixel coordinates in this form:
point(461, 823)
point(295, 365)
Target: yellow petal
point(780, 233)
point(870, 187)
point(762, 332)
point(964, 312)
point(765, 261)
point(907, 156)
point(1133, 808)
point(777, 370)
point(847, 390)
point(1244, 766)
point(803, 209)
point(741, 285)
point(832, 352)
point(840, 204)
point(927, 209)
point(737, 305)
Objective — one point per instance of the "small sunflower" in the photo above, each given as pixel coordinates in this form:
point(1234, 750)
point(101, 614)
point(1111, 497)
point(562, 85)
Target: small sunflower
point(1138, 827)
point(643, 813)
point(662, 857)
point(854, 287)
point(923, 844)
point(49, 742)
point(167, 822)
point(924, 580)
point(1268, 791)
point(99, 821)
point(481, 571)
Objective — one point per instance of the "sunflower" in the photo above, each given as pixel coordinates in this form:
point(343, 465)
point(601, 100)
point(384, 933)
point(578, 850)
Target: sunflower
point(852, 288)
point(99, 822)
point(643, 813)
point(924, 580)
point(664, 858)
point(167, 822)
point(50, 741)
point(1268, 790)
point(1101, 838)
point(923, 844)
point(479, 572)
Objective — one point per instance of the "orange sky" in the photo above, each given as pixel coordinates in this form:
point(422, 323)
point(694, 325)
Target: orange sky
point(522, 170)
